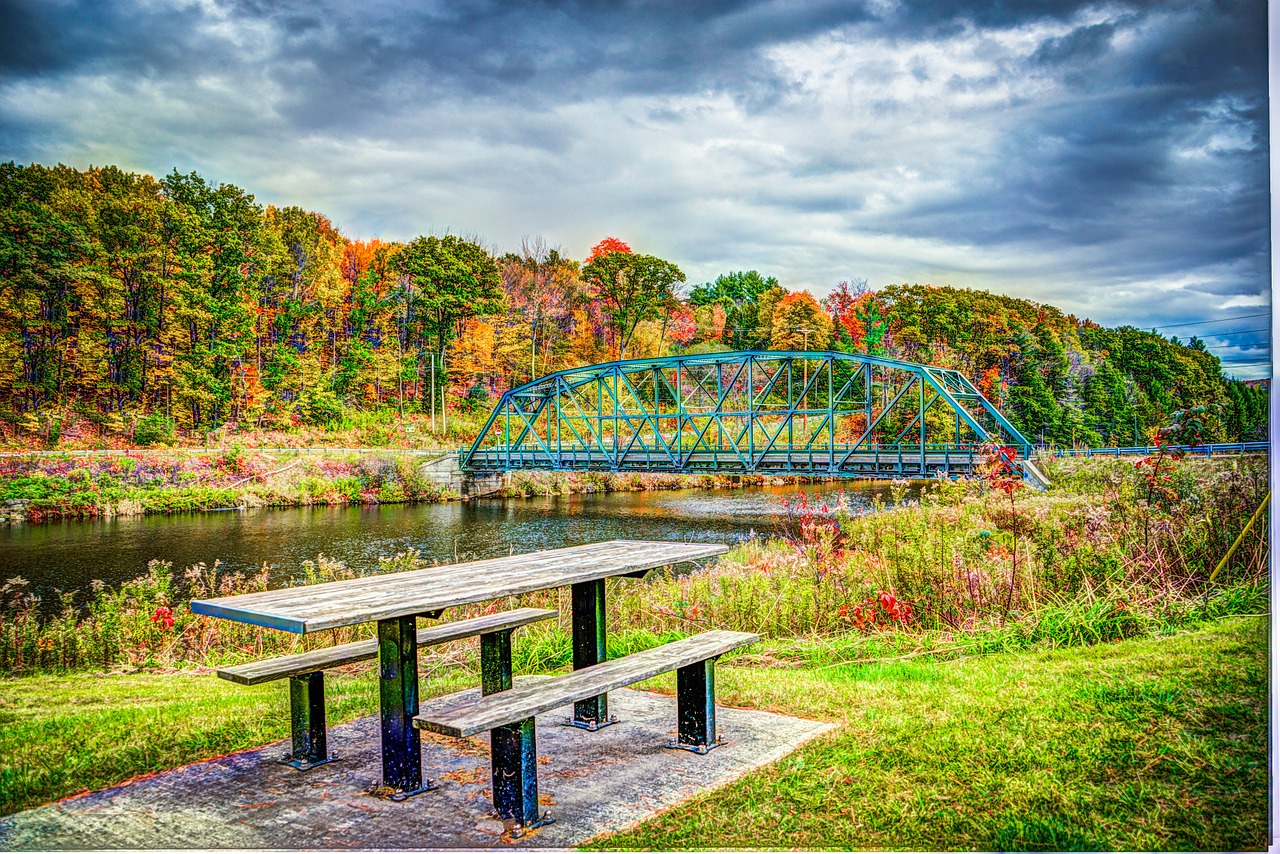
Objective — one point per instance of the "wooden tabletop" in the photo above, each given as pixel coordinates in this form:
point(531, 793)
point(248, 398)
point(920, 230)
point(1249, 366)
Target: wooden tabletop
point(380, 597)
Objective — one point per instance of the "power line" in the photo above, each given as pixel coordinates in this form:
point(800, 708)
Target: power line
point(1220, 320)
point(1217, 335)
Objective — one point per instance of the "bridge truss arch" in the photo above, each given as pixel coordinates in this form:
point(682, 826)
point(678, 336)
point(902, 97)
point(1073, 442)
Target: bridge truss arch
point(749, 412)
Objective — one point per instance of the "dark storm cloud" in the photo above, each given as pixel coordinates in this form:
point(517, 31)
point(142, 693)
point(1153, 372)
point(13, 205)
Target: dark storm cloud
point(375, 55)
point(43, 38)
point(1082, 43)
point(1118, 163)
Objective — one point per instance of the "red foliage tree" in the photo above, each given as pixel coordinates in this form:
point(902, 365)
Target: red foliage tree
point(842, 304)
point(607, 246)
point(682, 328)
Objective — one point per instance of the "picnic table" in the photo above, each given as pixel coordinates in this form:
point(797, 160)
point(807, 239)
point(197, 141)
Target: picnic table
point(395, 601)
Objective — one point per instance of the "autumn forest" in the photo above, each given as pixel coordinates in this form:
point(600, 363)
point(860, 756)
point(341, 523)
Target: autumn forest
point(161, 309)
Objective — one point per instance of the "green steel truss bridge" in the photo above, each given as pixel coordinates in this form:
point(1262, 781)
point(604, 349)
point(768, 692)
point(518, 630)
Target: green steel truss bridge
point(751, 412)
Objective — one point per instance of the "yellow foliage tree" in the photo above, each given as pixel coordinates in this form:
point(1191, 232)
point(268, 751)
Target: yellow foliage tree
point(799, 323)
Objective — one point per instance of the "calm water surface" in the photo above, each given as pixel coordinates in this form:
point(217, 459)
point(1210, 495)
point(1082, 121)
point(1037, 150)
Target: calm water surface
point(70, 555)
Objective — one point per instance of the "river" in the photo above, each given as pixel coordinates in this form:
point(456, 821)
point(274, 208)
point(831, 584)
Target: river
point(70, 555)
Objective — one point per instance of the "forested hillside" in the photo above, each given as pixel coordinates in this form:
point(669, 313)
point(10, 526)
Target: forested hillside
point(1065, 379)
point(153, 310)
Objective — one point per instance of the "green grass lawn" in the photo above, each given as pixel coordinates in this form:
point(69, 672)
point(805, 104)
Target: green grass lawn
point(1156, 743)
point(1144, 744)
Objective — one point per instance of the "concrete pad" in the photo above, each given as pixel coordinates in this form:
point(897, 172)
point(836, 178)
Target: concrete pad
point(589, 782)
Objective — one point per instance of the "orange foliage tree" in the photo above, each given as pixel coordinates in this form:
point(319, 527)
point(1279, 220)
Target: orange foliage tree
point(472, 366)
point(607, 246)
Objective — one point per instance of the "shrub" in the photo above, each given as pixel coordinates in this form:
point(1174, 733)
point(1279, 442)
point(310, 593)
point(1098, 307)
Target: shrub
point(154, 430)
point(375, 471)
point(320, 406)
point(349, 488)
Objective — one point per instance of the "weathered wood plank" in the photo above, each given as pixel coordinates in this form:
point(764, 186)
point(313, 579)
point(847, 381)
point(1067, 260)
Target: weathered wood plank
point(268, 670)
point(531, 699)
point(380, 597)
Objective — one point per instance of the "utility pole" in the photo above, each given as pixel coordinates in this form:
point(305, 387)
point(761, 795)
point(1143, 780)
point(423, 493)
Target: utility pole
point(804, 419)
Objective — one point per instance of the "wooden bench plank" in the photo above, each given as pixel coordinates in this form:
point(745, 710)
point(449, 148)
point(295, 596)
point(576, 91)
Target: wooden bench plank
point(525, 701)
point(367, 599)
point(256, 672)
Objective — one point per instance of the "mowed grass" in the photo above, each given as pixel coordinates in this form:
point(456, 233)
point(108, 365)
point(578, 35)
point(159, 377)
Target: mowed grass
point(1152, 744)
point(60, 735)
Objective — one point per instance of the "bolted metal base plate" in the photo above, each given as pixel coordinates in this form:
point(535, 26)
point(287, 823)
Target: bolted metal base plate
point(517, 830)
point(381, 790)
point(304, 764)
point(590, 726)
point(700, 749)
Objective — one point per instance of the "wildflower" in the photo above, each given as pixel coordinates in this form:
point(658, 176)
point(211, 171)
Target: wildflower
point(163, 616)
point(896, 610)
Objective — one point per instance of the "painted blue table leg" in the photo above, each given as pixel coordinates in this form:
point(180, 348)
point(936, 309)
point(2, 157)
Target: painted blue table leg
point(306, 716)
point(696, 707)
point(398, 693)
point(514, 756)
point(590, 647)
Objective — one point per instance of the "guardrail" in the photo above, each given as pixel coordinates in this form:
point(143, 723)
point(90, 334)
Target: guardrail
point(1148, 450)
point(423, 452)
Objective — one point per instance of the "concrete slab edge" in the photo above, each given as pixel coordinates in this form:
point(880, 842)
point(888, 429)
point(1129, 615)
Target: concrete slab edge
point(770, 757)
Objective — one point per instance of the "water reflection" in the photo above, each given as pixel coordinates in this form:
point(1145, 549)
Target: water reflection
point(68, 555)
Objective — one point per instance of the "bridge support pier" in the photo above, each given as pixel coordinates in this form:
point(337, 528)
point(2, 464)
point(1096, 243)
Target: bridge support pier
point(445, 472)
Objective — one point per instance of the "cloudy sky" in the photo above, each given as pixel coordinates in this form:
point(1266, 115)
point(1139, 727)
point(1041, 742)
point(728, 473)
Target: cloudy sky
point(1109, 158)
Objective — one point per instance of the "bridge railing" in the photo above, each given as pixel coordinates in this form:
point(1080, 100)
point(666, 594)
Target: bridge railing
point(1149, 450)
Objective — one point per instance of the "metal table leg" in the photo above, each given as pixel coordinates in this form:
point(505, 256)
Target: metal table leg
point(495, 662)
point(589, 648)
point(512, 749)
point(398, 693)
point(514, 755)
point(696, 707)
point(306, 716)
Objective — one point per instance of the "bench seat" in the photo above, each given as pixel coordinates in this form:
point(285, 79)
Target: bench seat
point(268, 670)
point(509, 715)
point(534, 698)
point(305, 672)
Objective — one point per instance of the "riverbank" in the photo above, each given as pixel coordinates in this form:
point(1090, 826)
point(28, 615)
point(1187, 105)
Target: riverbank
point(1111, 551)
point(82, 485)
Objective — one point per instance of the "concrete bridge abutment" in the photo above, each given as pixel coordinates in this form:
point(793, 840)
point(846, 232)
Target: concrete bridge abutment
point(446, 472)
